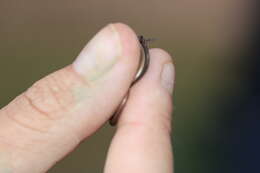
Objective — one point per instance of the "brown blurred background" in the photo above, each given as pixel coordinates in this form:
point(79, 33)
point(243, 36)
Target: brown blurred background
point(206, 38)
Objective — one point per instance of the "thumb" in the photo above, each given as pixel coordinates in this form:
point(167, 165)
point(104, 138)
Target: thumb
point(50, 119)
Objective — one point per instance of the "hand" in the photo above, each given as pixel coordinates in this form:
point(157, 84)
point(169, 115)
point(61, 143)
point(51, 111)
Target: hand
point(46, 122)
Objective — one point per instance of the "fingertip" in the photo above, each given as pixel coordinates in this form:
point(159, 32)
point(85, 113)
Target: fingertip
point(162, 59)
point(161, 54)
point(159, 59)
point(129, 42)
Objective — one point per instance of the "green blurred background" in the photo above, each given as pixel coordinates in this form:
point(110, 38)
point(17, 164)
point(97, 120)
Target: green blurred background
point(206, 39)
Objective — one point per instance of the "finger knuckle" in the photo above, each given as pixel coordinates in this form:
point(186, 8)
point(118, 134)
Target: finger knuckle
point(49, 96)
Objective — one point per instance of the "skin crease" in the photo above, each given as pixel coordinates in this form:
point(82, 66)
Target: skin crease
point(50, 119)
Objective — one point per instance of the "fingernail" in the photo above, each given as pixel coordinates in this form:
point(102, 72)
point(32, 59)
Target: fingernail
point(100, 54)
point(167, 77)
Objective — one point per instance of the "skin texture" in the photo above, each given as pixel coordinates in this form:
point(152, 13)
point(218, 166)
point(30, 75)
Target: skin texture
point(61, 110)
point(4, 162)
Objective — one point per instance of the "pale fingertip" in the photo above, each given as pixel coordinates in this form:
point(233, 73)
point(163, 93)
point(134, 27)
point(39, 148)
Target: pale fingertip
point(100, 54)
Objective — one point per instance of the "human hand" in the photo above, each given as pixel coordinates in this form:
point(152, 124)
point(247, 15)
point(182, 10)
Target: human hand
point(49, 120)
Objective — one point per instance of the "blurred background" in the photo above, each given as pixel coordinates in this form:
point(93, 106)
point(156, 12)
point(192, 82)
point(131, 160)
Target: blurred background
point(215, 47)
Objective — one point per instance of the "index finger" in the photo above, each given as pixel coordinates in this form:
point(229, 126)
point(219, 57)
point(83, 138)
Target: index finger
point(143, 142)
